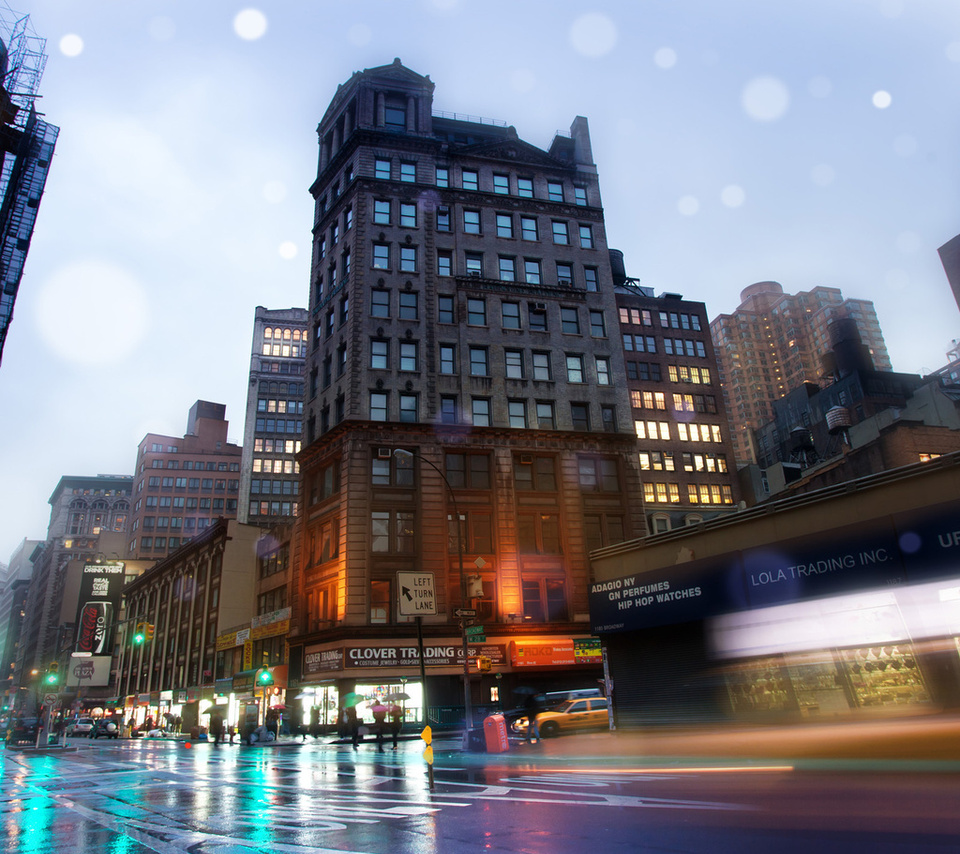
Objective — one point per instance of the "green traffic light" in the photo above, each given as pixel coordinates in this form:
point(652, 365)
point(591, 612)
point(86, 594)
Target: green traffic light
point(265, 677)
point(51, 679)
point(139, 638)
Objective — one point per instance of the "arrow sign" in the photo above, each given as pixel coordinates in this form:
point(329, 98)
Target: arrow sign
point(428, 754)
point(417, 596)
point(466, 612)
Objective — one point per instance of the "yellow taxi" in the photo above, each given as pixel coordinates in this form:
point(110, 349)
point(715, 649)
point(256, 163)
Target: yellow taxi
point(569, 716)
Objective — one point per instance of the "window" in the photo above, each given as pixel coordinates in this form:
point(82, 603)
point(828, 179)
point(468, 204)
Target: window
point(517, 413)
point(598, 474)
point(554, 191)
point(392, 532)
point(444, 264)
point(408, 408)
point(381, 211)
point(379, 303)
point(508, 269)
point(538, 533)
point(531, 271)
point(393, 471)
point(469, 180)
point(510, 313)
point(525, 187)
point(546, 417)
point(580, 195)
point(476, 312)
point(590, 279)
point(513, 364)
point(443, 176)
point(608, 418)
point(379, 354)
point(598, 328)
point(541, 366)
point(445, 309)
point(473, 262)
point(603, 370)
point(528, 228)
point(501, 183)
point(471, 222)
point(408, 356)
point(480, 411)
point(382, 169)
point(395, 118)
point(653, 430)
point(378, 406)
point(570, 321)
point(504, 225)
point(409, 308)
point(381, 256)
point(467, 471)
point(478, 362)
point(408, 215)
point(564, 274)
point(408, 172)
point(443, 218)
point(640, 343)
point(580, 416)
point(537, 317)
point(574, 368)
point(586, 236)
point(449, 413)
point(560, 234)
point(408, 259)
point(448, 359)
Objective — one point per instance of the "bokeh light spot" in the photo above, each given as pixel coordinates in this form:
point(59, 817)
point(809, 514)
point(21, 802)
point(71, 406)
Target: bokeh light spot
point(688, 205)
point(733, 196)
point(881, 99)
point(250, 24)
point(274, 192)
point(822, 175)
point(104, 300)
point(71, 45)
point(765, 99)
point(666, 57)
point(288, 250)
point(593, 35)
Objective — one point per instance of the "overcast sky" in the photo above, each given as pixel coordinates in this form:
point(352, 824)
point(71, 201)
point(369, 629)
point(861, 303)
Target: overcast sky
point(813, 142)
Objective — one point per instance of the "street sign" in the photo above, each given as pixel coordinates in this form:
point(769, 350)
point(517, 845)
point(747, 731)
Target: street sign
point(462, 612)
point(50, 700)
point(474, 630)
point(417, 595)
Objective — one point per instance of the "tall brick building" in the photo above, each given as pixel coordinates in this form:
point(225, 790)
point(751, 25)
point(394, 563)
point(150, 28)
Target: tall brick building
point(465, 361)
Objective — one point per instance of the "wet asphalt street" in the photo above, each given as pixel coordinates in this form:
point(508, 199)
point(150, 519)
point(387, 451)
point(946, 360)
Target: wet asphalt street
point(573, 795)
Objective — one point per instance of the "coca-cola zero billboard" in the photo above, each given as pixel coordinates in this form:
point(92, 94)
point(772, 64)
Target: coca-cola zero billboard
point(101, 586)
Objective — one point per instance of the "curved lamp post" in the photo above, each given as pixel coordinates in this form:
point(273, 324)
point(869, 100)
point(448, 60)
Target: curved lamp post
point(467, 709)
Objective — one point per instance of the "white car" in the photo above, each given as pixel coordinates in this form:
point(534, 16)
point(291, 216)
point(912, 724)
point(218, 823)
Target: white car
point(79, 726)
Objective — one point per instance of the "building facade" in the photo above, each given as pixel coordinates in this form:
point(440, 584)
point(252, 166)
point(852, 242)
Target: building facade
point(14, 592)
point(685, 448)
point(773, 342)
point(466, 415)
point(269, 472)
point(183, 484)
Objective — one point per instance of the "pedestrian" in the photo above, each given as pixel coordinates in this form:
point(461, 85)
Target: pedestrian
point(216, 726)
point(532, 708)
point(380, 723)
point(396, 721)
point(353, 726)
point(314, 723)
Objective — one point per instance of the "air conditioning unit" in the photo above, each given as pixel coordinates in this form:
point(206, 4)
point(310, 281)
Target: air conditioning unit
point(474, 274)
point(384, 453)
point(564, 283)
point(538, 306)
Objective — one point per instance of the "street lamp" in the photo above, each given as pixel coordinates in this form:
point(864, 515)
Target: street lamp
point(399, 453)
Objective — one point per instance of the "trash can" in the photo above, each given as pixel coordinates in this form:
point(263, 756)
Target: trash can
point(495, 734)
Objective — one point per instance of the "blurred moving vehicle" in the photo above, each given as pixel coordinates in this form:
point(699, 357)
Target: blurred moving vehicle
point(22, 730)
point(79, 726)
point(105, 728)
point(569, 716)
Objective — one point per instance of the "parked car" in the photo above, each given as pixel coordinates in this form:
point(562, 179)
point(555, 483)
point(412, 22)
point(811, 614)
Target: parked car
point(79, 726)
point(105, 728)
point(571, 716)
point(22, 730)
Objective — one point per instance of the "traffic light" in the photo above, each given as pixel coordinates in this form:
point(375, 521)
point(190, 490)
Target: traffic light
point(53, 674)
point(148, 631)
point(264, 678)
point(140, 635)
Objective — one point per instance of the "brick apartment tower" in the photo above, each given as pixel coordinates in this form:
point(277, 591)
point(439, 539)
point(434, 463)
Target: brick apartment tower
point(773, 342)
point(183, 484)
point(465, 359)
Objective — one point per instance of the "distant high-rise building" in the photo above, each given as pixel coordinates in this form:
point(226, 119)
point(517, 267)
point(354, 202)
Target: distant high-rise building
point(269, 473)
point(685, 448)
point(183, 484)
point(774, 342)
point(26, 150)
point(950, 258)
point(14, 591)
point(466, 415)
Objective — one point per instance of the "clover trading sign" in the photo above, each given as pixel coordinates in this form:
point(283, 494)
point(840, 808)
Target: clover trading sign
point(417, 596)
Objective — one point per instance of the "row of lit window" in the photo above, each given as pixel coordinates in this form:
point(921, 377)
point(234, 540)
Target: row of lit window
point(293, 407)
point(669, 493)
point(287, 351)
point(271, 466)
point(276, 446)
point(690, 432)
point(274, 508)
point(665, 461)
point(668, 319)
point(705, 403)
point(191, 483)
point(283, 334)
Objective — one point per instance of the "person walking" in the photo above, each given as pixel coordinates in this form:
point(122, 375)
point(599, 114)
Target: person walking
point(216, 726)
point(532, 708)
point(380, 723)
point(396, 721)
point(353, 726)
